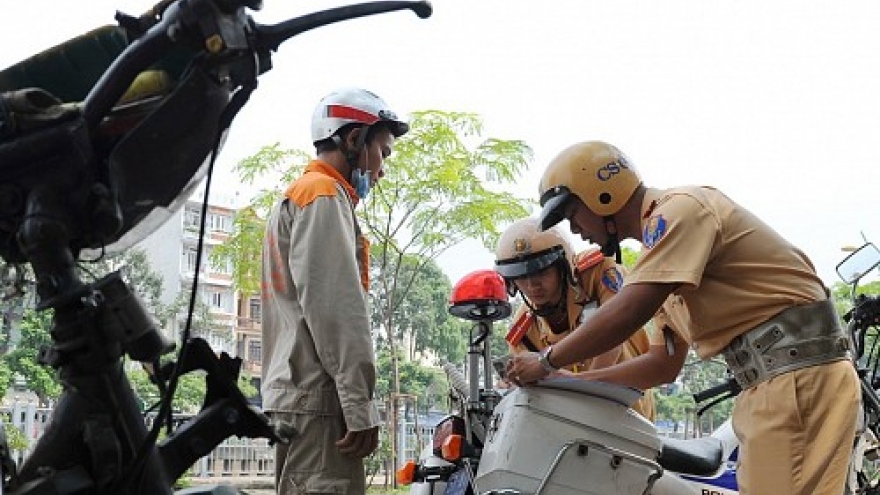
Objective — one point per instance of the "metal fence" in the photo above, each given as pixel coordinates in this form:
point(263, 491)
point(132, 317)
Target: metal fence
point(233, 457)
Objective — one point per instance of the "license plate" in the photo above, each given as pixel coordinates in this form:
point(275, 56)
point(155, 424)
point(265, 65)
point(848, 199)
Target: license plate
point(458, 483)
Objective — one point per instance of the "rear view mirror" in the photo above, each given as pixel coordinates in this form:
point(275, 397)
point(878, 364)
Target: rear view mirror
point(859, 263)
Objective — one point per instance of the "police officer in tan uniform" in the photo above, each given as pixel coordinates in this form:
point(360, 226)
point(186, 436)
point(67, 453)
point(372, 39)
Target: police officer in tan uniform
point(319, 370)
point(737, 288)
point(559, 292)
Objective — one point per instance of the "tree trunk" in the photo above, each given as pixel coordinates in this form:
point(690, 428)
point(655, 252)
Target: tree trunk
point(395, 394)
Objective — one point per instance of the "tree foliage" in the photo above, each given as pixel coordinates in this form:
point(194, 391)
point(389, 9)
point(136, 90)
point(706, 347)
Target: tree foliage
point(427, 384)
point(24, 362)
point(272, 165)
point(424, 324)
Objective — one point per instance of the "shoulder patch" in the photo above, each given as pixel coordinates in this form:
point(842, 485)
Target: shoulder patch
point(309, 187)
point(588, 259)
point(612, 279)
point(519, 328)
point(655, 229)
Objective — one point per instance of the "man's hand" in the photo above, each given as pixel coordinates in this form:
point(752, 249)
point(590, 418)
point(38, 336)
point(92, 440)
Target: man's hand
point(360, 443)
point(525, 369)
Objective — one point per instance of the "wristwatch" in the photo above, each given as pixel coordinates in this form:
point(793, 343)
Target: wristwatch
point(544, 360)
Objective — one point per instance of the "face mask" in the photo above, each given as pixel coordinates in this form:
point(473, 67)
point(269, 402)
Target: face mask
point(361, 183)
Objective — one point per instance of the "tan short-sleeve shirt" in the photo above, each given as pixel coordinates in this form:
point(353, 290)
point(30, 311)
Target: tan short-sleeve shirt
point(735, 271)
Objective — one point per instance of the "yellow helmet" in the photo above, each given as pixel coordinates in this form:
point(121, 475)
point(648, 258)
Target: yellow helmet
point(594, 171)
point(524, 250)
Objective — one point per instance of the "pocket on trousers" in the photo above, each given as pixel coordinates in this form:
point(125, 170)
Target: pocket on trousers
point(308, 449)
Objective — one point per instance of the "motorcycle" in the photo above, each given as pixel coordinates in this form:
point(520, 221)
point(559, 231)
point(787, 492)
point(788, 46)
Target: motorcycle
point(101, 139)
point(572, 436)
point(863, 325)
point(551, 437)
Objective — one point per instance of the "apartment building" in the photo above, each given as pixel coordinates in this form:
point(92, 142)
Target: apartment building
point(173, 250)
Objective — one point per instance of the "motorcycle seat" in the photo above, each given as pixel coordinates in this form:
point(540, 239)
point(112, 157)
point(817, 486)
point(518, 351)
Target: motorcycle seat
point(696, 456)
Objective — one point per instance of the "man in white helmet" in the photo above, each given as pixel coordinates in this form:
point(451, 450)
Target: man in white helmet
point(730, 285)
point(319, 370)
point(560, 290)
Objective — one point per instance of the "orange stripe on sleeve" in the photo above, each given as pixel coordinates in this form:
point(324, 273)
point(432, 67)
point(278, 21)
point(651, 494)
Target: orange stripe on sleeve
point(519, 329)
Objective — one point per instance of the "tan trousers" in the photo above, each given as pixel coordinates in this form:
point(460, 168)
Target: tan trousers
point(646, 406)
point(796, 431)
point(311, 463)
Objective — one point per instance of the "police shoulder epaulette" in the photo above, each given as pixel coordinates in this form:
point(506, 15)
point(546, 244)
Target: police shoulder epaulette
point(520, 328)
point(588, 259)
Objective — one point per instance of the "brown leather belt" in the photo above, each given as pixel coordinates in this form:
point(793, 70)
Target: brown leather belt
point(799, 337)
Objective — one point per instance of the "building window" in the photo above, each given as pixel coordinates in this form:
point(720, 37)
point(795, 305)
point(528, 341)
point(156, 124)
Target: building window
point(189, 259)
point(191, 217)
point(255, 351)
point(256, 309)
point(221, 300)
point(220, 223)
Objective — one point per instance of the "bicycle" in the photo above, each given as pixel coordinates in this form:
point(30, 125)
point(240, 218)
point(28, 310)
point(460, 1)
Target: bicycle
point(100, 175)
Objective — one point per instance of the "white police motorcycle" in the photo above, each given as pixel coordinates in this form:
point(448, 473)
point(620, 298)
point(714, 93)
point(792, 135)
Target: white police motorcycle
point(574, 437)
point(562, 436)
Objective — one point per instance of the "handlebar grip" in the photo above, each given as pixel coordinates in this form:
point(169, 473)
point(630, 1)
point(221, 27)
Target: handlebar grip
point(456, 380)
point(712, 392)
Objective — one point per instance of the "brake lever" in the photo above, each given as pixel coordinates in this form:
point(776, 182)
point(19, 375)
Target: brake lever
point(270, 37)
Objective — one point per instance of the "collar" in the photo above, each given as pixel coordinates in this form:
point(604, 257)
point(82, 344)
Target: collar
point(649, 202)
point(325, 168)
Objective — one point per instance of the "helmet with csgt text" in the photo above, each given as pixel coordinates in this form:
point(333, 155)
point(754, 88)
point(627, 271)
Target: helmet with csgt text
point(594, 171)
point(353, 106)
point(524, 250)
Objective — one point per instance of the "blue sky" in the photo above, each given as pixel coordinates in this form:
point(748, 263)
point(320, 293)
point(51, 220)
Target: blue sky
point(776, 103)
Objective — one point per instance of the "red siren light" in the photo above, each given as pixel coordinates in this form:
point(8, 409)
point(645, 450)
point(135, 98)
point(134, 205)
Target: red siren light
point(480, 296)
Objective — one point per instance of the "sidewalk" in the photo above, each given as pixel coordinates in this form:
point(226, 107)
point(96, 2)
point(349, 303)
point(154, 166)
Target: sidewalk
point(257, 482)
point(243, 482)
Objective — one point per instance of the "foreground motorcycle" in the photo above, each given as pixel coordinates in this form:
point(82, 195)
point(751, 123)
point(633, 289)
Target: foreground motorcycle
point(863, 325)
point(561, 436)
point(102, 139)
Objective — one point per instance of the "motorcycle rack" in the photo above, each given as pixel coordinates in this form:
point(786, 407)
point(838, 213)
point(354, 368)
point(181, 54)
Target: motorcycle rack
point(617, 456)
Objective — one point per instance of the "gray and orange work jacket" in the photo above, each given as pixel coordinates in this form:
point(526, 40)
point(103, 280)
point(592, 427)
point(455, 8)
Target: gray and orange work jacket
point(317, 350)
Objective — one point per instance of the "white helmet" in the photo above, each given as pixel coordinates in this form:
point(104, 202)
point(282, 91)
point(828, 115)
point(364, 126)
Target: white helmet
point(353, 106)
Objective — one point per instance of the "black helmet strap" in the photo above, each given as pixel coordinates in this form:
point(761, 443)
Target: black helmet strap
point(352, 154)
point(612, 246)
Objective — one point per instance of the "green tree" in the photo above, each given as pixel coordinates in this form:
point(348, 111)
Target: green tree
point(672, 407)
point(423, 319)
point(629, 257)
point(24, 362)
point(243, 249)
point(6, 374)
point(698, 375)
point(437, 193)
point(841, 293)
point(188, 396)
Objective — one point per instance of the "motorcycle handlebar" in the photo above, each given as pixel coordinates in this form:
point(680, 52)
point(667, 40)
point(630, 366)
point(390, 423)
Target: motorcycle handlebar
point(730, 386)
point(270, 37)
point(179, 20)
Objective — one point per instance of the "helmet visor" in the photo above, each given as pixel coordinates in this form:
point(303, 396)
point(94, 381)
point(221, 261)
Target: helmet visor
point(553, 201)
point(514, 268)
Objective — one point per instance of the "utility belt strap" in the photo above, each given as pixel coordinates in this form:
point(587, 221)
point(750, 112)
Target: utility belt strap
point(799, 337)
